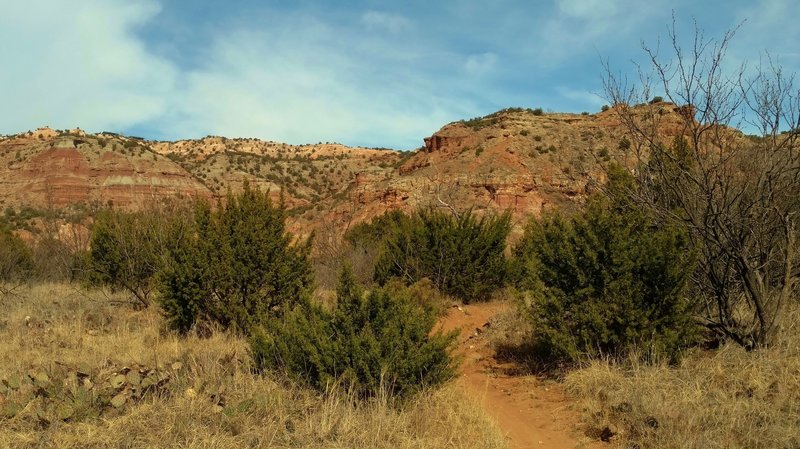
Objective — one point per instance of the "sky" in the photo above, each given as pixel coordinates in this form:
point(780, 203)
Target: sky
point(359, 72)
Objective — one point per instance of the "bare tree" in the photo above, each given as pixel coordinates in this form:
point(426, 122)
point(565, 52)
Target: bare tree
point(128, 249)
point(736, 194)
point(63, 238)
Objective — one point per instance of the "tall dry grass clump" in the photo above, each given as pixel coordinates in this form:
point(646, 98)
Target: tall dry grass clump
point(80, 369)
point(728, 398)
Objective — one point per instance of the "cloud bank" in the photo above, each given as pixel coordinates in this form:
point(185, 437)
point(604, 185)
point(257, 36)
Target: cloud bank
point(79, 63)
point(313, 72)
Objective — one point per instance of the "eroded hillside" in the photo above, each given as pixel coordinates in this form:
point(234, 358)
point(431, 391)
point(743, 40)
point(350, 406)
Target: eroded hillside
point(47, 169)
point(516, 159)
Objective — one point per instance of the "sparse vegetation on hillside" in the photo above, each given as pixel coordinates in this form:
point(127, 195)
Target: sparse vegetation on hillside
point(494, 118)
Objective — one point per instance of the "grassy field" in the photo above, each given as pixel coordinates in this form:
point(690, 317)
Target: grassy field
point(726, 398)
point(82, 369)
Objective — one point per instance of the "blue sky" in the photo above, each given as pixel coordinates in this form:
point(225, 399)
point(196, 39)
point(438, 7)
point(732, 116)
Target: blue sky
point(371, 73)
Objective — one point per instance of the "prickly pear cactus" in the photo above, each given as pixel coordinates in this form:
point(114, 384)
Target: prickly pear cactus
point(75, 393)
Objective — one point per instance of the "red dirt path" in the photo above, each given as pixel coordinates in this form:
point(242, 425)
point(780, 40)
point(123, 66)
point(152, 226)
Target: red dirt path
point(531, 412)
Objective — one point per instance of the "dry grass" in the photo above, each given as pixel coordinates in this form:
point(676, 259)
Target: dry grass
point(728, 398)
point(212, 400)
point(510, 336)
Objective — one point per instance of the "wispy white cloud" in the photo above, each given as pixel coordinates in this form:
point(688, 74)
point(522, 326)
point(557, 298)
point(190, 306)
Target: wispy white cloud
point(311, 72)
point(578, 27)
point(79, 64)
point(588, 9)
point(581, 97)
point(381, 21)
point(480, 64)
point(770, 25)
point(318, 85)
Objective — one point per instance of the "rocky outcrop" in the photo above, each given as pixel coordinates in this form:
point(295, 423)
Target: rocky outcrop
point(65, 170)
point(448, 139)
point(512, 160)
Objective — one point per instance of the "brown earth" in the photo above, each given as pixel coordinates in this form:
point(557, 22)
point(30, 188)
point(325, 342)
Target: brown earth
point(531, 412)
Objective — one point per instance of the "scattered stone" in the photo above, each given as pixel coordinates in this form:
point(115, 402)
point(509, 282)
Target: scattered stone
point(651, 422)
point(608, 433)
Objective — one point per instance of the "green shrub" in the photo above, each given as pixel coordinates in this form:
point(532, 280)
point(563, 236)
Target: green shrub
point(16, 260)
point(237, 267)
point(656, 99)
point(369, 344)
point(606, 281)
point(461, 254)
point(538, 111)
point(605, 108)
point(376, 231)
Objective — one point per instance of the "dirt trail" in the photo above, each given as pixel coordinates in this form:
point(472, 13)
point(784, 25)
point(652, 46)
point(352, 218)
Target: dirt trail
point(531, 412)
